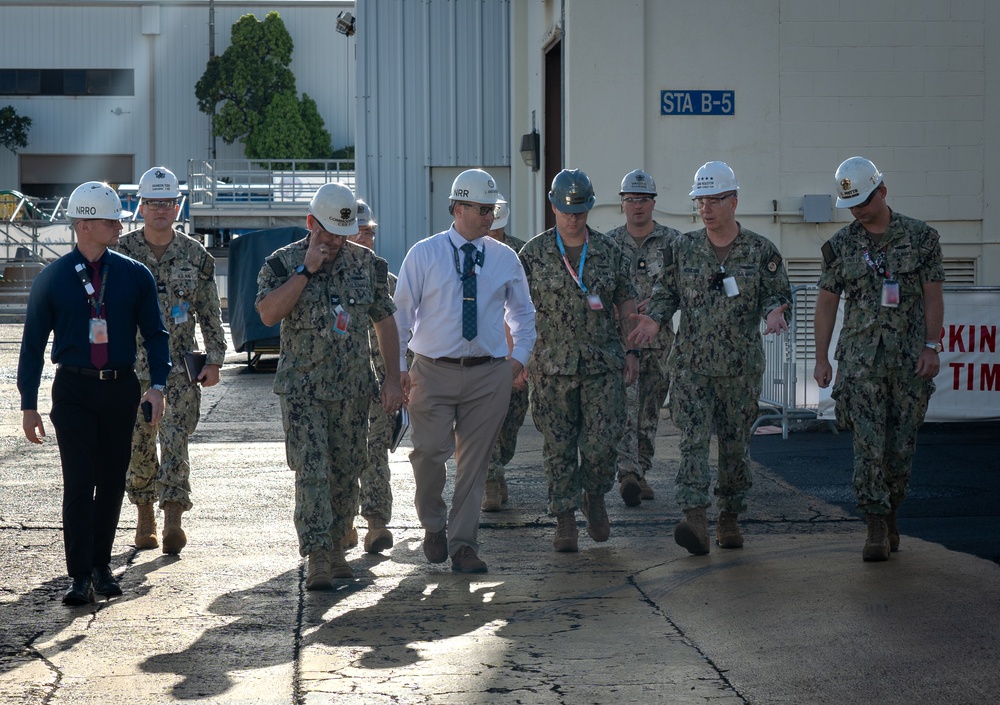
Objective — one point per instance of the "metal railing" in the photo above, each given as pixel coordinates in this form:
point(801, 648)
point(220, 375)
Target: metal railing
point(250, 184)
point(789, 392)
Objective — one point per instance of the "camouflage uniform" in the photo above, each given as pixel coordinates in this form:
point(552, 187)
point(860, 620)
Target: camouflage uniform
point(326, 382)
point(718, 358)
point(185, 282)
point(517, 409)
point(575, 370)
point(876, 391)
point(376, 480)
point(644, 398)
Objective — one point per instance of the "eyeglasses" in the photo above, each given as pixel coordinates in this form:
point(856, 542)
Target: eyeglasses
point(637, 200)
point(159, 205)
point(715, 282)
point(483, 210)
point(868, 200)
point(710, 201)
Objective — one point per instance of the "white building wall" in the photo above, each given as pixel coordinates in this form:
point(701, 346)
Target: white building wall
point(167, 65)
point(912, 84)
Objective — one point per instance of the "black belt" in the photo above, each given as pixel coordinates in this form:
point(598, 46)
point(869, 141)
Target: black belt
point(467, 361)
point(99, 374)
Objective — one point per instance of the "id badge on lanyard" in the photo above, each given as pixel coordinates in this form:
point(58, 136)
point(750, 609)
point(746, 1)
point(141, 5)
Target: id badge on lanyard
point(890, 287)
point(890, 293)
point(98, 331)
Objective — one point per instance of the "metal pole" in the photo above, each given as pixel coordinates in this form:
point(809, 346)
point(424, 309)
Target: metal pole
point(211, 55)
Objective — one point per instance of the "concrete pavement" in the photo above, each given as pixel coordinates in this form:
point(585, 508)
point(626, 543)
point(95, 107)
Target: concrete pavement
point(794, 617)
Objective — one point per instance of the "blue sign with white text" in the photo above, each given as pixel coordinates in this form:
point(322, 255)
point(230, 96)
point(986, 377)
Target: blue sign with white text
point(697, 102)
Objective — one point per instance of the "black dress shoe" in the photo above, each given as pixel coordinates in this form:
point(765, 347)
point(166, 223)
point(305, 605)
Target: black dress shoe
point(105, 582)
point(81, 592)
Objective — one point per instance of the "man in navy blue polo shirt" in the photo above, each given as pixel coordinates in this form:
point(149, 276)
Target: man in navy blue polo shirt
point(95, 301)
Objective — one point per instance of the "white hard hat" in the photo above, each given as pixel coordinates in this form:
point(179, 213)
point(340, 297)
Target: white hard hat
point(856, 178)
point(712, 179)
point(474, 186)
point(159, 182)
point(638, 181)
point(335, 207)
point(365, 216)
point(501, 214)
point(94, 200)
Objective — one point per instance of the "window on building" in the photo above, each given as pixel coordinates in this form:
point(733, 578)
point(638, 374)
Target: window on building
point(70, 82)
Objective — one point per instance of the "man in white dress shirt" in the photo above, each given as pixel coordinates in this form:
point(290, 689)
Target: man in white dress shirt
point(455, 291)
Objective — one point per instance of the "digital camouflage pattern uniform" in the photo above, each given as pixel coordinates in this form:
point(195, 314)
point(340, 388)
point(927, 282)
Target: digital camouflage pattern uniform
point(517, 409)
point(644, 399)
point(576, 369)
point(185, 283)
point(376, 479)
point(326, 382)
point(718, 357)
point(876, 391)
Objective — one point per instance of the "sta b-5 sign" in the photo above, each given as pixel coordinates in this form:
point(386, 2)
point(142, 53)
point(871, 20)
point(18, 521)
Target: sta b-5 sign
point(697, 102)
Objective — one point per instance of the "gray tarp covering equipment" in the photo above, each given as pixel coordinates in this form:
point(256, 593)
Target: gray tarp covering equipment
point(246, 256)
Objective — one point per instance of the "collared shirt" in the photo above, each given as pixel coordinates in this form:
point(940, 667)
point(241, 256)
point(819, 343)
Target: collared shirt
point(913, 257)
point(719, 335)
point(185, 283)
point(429, 301)
point(58, 303)
point(574, 337)
point(319, 360)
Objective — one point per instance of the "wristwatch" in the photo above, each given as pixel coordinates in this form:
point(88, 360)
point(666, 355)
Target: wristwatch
point(936, 347)
point(162, 389)
point(633, 351)
point(301, 269)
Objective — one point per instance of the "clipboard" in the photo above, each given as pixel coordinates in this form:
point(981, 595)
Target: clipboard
point(400, 425)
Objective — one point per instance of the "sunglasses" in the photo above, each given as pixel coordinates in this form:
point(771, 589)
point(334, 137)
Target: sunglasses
point(483, 210)
point(864, 204)
point(159, 205)
point(711, 201)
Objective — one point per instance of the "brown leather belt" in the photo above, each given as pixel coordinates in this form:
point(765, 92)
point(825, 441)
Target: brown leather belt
point(467, 361)
point(99, 374)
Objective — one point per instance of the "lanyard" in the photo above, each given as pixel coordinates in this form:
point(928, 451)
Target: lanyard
point(577, 276)
point(83, 272)
point(477, 261)
point(877, 264)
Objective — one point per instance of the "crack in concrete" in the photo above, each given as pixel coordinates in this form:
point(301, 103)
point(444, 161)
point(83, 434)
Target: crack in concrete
point(687, 641)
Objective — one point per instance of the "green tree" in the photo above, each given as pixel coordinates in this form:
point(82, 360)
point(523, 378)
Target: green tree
point(320, 144)
point(251, 92)
point(14, 129)
point(281, 133)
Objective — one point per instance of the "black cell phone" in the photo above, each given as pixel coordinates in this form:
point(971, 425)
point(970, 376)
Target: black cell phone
point(147, 411)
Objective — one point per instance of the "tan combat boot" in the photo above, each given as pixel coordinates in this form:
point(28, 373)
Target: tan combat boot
point(727, 531)
point(692, 532)
point(504, 494)
point(350, 539)
point(318, 573)
point(378, 538)
point(877, 544)
point(598, 524)
point(890, 525)
point(174, 538)
point(493, 497)
point(646, 490)
point(338, 564)
point(145, 530)
point(630, 489)
point(567, 535)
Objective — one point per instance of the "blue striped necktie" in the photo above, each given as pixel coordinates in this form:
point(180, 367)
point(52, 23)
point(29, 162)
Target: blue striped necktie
point(469, 326)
